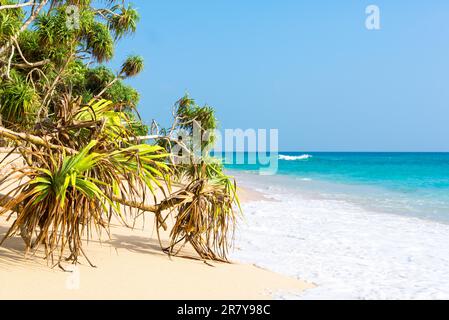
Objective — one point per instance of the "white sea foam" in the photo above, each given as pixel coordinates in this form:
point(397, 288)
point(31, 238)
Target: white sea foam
point(294, 158)
point(348, 251)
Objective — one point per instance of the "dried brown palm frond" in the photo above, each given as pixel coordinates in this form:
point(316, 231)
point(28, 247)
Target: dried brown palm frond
point(76, 178)
point(86, 168)
point(205, 215)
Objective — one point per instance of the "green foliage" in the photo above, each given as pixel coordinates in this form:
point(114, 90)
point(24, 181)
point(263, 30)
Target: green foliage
point(81, 184)
point(10, 22)
point(100, 41)
point(136, 125)
point(84, 164)
point(188, 111)
point(18, 102)
point(66, 55)
point(98, 78)
point(29, 42)
point(125, 22)
point(132, 66)
point(52, 30)
point(192, 116)
point(124, 95)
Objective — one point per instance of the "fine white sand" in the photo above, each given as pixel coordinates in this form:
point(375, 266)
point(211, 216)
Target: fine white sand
point(130, 265)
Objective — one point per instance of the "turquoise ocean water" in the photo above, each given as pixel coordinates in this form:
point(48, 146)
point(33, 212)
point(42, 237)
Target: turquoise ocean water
point(359, 225)
point(415, 184)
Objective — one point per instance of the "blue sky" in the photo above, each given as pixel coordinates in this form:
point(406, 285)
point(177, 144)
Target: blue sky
point(308, 68)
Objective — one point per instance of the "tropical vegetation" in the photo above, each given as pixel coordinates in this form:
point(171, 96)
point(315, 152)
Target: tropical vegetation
point(87, 156)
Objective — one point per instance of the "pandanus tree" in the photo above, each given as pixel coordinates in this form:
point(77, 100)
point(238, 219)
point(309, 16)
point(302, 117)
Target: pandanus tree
point(75, 123)
point(49, 50)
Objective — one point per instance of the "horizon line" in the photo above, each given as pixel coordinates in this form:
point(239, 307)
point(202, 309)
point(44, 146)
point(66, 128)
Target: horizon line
point(333, 151)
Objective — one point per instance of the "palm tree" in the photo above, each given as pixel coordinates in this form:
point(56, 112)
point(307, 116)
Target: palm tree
point(40, 47)
point(132, 66)
point(70, 186)
point(84, 159)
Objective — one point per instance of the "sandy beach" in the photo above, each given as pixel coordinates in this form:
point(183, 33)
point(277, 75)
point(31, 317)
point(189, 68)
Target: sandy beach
point(131, 266)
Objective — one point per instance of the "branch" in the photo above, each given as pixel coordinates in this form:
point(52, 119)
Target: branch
point(153, 137)
point(31, 18)
point(27, 63)
point(33, 139)
point(18, 5)
point(156, 209)
point(31, 65)
point(107, 87)
point(53, 86)
point(160, 137)
point(104, 11)
point(8, 68)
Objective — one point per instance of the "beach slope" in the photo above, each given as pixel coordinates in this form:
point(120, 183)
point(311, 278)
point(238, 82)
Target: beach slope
point(131, 266)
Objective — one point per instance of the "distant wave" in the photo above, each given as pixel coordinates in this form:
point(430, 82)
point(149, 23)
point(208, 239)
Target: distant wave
point(294, 158)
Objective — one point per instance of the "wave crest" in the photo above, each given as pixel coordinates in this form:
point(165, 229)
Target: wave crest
point(294, 158)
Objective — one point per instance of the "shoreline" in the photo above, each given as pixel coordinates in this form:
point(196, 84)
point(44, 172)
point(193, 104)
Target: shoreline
point(323, 189)
point(131, 265)
point(347, 250)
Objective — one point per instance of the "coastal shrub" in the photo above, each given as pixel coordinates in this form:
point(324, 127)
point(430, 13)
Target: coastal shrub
point(75, 123)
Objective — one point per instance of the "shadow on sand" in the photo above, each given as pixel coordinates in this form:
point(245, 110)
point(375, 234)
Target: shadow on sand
point(12, 253)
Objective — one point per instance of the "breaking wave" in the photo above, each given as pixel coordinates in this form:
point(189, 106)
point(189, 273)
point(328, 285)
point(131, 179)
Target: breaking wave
point(294, 158)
